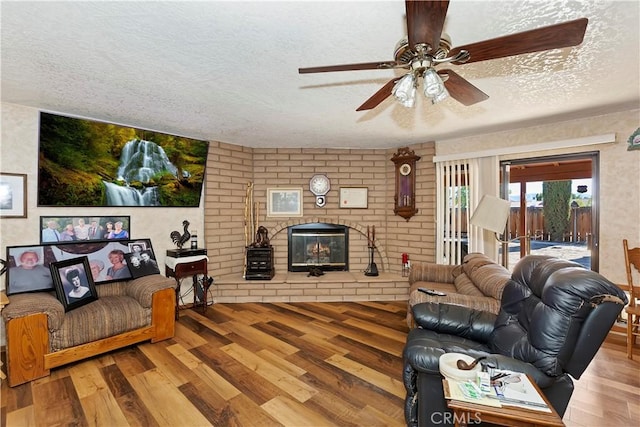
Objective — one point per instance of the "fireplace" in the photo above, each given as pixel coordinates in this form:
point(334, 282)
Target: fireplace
point(319, 245)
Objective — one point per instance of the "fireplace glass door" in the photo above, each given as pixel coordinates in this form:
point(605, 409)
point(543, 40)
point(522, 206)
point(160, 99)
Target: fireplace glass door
point(318, 245)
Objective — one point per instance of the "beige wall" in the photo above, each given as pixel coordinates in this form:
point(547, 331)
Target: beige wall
point(619, 174)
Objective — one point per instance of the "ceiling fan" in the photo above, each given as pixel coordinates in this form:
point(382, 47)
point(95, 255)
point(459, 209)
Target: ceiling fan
point(427, 47)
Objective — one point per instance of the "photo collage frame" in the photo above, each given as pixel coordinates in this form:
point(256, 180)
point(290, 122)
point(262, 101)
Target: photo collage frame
point(29, 267)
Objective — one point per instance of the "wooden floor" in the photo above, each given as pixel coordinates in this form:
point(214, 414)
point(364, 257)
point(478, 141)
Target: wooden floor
point(283, 364)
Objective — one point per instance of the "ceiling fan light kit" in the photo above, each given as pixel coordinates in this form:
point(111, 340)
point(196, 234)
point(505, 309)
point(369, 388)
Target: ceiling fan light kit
point(405, 90)
point(444, 94)
point(426, 47)
point(434, 86)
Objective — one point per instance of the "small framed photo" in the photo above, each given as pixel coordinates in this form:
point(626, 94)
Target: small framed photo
point(142, 263)
point(284, 202)
point(73, 282)
point(13, 195)
point(137, 246)
point(28, 269)
point(354, 197)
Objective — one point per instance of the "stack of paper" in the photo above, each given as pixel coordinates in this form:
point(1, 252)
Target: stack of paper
point(515, 389)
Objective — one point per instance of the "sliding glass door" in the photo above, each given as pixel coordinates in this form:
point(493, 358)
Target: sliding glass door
point(553, 208)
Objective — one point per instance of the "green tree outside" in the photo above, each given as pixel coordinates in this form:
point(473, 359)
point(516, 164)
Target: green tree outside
point(557, 199)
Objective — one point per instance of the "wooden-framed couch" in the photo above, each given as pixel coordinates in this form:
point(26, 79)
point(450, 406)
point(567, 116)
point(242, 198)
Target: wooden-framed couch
point(40, 336)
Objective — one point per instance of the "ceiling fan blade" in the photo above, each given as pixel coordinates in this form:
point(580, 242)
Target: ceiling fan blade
point(379, 96)
point(349, 67)
point(425, 20)
point(556, 36)
point(461, 90)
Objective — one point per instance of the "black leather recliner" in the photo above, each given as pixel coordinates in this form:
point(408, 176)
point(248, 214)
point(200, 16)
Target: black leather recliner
point(554, 316)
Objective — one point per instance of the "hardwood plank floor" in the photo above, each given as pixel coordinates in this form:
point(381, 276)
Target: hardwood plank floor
point(280, 364)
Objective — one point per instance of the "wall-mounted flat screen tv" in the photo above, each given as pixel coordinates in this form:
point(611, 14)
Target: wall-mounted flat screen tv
point(90, 163)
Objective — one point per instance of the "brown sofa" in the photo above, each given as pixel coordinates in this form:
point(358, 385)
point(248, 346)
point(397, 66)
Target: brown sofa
point(476, 283)
point(41, 336)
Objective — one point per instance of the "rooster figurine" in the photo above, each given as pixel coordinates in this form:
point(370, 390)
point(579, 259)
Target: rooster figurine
point(181, 239)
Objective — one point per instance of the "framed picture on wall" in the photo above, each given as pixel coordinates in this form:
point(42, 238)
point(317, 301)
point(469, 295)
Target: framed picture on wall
point(90, 163)
point(354, 197)
point(284, 202)
point(13, 195)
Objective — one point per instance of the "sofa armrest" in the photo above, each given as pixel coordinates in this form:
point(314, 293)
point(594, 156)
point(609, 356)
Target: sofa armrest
point(143, 288)
point(457, 320)
point(22, 305)
point(431, 272)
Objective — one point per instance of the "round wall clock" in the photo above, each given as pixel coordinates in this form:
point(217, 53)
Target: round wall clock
point(320, 185)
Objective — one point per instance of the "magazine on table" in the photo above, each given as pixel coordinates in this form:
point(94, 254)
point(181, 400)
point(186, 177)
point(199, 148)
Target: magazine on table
point(507, 388)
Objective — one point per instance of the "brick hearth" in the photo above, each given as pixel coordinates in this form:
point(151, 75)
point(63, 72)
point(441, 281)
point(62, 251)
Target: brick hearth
point(292, 287)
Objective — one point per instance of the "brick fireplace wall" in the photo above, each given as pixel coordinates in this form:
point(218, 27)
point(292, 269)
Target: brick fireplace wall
point(230, 168)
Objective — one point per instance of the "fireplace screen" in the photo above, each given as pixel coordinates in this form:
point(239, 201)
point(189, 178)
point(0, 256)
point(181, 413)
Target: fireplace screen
point(318, 245)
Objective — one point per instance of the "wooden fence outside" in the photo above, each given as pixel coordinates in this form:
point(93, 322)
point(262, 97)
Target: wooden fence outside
point(579, 229)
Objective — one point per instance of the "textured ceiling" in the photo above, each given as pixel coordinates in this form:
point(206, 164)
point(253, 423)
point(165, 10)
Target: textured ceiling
point(228, 71)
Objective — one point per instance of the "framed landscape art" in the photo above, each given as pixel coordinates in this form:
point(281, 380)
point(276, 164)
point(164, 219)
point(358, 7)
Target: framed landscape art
point(284, 202)
point(13, 195)
point(89, 163)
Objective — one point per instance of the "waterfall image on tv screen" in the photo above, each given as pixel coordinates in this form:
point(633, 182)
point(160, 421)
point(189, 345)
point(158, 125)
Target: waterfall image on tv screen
point(89, 163)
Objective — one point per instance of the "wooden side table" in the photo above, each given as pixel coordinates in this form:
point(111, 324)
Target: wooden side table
point(190, 266)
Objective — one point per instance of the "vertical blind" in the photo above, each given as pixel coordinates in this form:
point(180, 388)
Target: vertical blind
point(452, 177)
point(460, 186)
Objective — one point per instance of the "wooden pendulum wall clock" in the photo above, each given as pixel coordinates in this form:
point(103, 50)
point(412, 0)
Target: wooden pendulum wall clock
point(405, 197)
